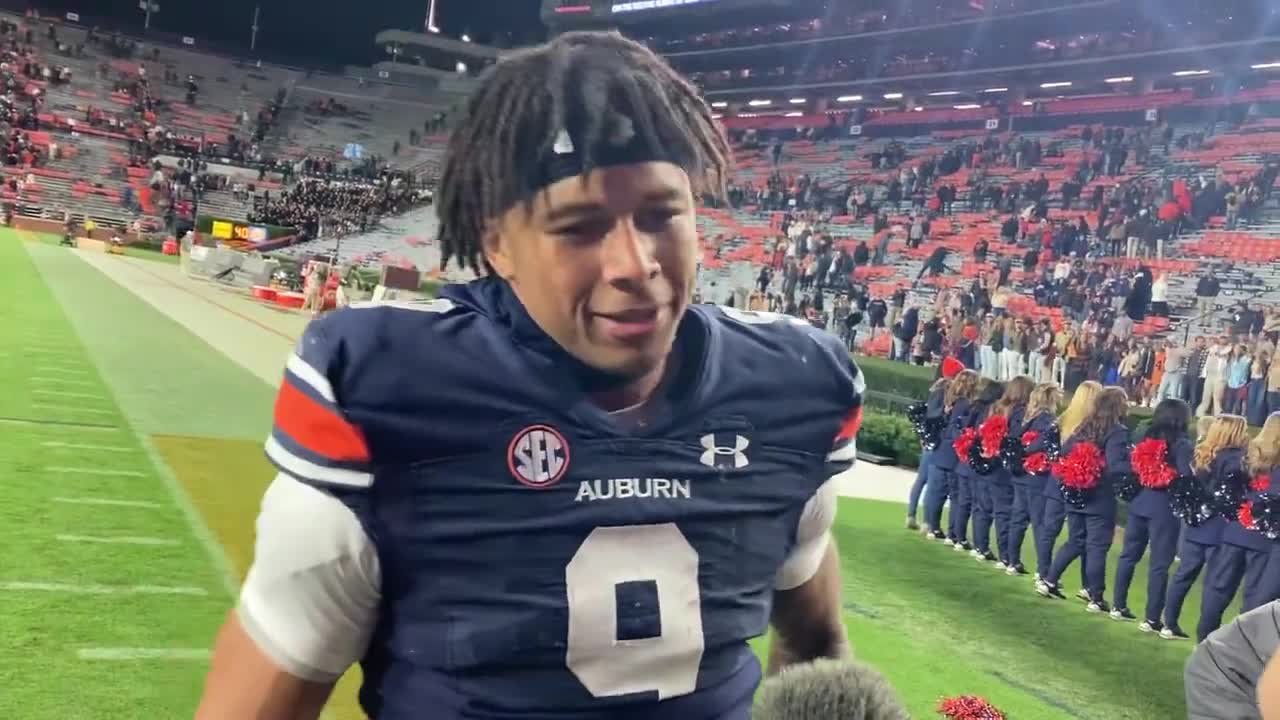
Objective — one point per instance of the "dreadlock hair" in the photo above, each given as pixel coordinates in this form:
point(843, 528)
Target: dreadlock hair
point(590, 80)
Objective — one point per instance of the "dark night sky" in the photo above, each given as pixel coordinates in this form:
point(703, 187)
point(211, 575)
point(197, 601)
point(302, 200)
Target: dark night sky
point(336, 31)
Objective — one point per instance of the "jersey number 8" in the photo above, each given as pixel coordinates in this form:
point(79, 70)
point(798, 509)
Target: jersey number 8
point(666, 663)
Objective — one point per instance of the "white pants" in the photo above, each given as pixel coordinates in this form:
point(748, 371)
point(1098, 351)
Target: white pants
point(989, 363)
point(1214, 391)
point(1060, 371)
point(1012, 362)
point(1036, 361)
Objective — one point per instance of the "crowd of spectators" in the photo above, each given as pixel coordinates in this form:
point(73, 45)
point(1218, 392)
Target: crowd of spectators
point(322, 207)
point(1096, 275)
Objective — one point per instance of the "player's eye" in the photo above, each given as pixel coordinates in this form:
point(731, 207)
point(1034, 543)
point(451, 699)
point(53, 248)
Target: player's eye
point(584, 230)
point(655, 219)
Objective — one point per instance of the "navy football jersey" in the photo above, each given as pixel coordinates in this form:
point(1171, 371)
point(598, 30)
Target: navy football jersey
point(539, 558)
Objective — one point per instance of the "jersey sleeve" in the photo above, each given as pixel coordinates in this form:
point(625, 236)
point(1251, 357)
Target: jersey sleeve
point(812, 537)
point(312, 438)
point(310, 600)
point(844, 447)
point(1221, 677)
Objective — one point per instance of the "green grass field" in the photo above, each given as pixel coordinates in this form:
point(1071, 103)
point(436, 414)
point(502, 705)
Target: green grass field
point(132, 490)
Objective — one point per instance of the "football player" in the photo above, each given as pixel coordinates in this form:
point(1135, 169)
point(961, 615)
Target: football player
point(560, 491)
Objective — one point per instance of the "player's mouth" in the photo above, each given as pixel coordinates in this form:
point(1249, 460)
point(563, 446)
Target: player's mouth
point(628, 325)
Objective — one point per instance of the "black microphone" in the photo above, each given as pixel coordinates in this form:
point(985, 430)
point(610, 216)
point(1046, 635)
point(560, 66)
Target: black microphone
point(828, 690)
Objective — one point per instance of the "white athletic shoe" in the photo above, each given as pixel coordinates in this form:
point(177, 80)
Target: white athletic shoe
point(1083, 595)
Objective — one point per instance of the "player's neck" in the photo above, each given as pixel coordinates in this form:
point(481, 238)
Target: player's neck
point(634, 393)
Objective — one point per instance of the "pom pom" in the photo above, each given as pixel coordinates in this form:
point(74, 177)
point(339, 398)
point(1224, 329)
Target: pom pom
point(1012, 453)
point(1264, 516)
point(1244, 515)
point(1149, 460)
point(963, 443)
point(1261, 483)
point(978, 460)
point(1126, 486)
point(1189, 500)
point(991, 434)
point(1226, 495)
point(933, 432)
point(968, 707)
point(1079, 472)
point(1037, 464)
point(1029, 437)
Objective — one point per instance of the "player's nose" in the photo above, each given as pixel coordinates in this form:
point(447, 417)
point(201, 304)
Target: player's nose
point(628, 254)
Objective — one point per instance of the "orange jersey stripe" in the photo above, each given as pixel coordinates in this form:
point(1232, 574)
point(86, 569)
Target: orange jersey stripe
point(849, 428)
point(317, 428)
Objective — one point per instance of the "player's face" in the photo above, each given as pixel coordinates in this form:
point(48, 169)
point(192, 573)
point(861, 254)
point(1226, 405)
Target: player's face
point(605, 264)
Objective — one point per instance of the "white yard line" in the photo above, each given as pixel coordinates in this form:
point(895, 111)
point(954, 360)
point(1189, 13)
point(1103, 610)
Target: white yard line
point(65, 381)
point(117, 540)
point(31, 350)
point(94, 471)
point(79, 446)
point(72, 408)
point(110, 502)
point(67, 393)
point(76, 589)
point(65, 370)
point(131, 654)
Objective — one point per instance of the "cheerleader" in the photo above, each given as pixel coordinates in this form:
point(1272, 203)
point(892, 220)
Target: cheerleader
point(1217, 457)
point(972, 486)
point(1245, 551)
point(1011, 407)
point(932, 416)
point(941, 483)
point(1040, 418)
point(1163, 456)
point(1055, 509)
point(1092, 459)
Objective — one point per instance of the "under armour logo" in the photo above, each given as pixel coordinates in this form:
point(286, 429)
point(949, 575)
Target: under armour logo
point(717, 456)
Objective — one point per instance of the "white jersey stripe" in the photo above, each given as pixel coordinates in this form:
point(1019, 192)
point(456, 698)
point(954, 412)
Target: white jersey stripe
point(313, 378)
point(307, 470)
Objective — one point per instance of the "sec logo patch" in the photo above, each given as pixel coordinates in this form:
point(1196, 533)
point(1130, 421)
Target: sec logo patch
point(538, 456)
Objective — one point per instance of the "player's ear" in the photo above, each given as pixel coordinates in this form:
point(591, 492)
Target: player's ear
point(495, 245)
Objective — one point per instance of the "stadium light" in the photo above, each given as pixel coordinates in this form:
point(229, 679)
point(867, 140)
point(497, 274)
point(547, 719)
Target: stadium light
point(716, 116)
point(1046, 86)
point(1266, 66)
point(967, 106)
point(849, 98)
point(760, 103)
point(465, 38)
point(944, 93)
point(1189, 73)
point(917, 109)
point(893, 96)
point(1122, 79)
point(798, 101)
point(461, 68)
point(719, 104)
point(1028, 103)
point(794, 114)
point(996, 90)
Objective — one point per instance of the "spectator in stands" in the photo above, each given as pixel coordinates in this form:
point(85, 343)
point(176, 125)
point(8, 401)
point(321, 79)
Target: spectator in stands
point(1239, 363)
point(1193, 387)
point(1175, 367)
point(1206, 296)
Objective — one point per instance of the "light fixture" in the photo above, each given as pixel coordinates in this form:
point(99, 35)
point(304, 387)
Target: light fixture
point(893, 96)
point(1190, 73)
point(917, 109)
point(719, 104)
point(794, 114)
point(465, 38)
point(849, 98)
point(760, 103)
point(967, 106)
point(995, 90)
point(1121, 79)
point(797, 101)
point(1048, 85)
point(461, 68)
point(1028, 103)
point(944, 93)
point(1266, 66)
point(716, 116)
